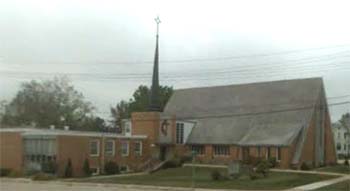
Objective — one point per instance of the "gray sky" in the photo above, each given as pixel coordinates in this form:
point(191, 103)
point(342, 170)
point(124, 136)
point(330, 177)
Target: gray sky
point(107, 47)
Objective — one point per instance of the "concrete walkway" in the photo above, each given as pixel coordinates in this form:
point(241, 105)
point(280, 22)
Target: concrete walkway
point(107, 176)
point(321, 184)
point(308, 172)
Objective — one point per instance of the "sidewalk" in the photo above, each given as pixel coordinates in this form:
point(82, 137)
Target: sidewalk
point(321, 184)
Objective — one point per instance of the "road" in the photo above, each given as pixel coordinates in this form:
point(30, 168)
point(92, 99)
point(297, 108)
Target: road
point(6, 185)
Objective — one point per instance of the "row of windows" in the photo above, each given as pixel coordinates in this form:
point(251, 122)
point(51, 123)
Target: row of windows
point(109, 148)
point(344, 147)
point(222, 150)
point(345, 135)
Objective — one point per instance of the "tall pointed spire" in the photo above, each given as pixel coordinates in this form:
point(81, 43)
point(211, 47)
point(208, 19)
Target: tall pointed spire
point(154, 102)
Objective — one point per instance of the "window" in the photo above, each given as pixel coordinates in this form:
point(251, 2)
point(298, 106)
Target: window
point(344, 147)
point(198, 149)
point(221, 150)
point(125, 148)
point(138, 148)
point(338, 146)
point(109, 148)
point(179, 133)
point(94, 148)
point(268, 153)
point(345, 135)
point(278, 154)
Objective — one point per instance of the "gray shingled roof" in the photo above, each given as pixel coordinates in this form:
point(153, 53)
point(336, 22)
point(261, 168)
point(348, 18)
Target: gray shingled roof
point(267, 113)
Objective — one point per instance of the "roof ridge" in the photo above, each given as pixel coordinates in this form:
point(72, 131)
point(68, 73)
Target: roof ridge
point(250, 83)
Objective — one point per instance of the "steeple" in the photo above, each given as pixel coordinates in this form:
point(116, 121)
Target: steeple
point(154, 102)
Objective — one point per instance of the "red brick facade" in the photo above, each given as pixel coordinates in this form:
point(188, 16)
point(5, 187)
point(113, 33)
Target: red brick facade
point(11, 151)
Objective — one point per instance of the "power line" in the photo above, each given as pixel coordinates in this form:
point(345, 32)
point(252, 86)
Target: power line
point(272, 69)
point(225, 115)
point(142, 62)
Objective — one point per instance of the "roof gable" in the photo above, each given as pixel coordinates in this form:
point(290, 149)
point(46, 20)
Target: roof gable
point(267, 113)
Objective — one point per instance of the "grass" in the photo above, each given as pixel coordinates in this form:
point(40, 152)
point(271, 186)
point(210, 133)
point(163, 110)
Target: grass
point(182, 177)
point(340, 168)
point(342, 186)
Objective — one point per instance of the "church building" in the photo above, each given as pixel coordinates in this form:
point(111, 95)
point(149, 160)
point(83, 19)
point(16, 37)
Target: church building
point(287, 120)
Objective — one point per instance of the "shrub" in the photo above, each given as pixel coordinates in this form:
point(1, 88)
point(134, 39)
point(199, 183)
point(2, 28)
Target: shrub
point(86, 168)
point(4, 172)
point(263, 168)
point(31, 171)
point(68, 172)
point(215, 175)
point(173, 163)
point(42, 176)
point(272, 162)
point(346, 162)
point(14, 174)
point(253, 175)
point(252, 160)
point(49, 167)
point(186, 158)
point(304, 166)
point(111, 168)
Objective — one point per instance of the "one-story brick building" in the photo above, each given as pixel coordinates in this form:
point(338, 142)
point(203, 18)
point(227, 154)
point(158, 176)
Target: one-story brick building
point(26, 149)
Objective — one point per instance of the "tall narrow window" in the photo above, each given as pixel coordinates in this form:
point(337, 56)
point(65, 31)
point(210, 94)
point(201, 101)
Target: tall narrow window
point(138, 148)
point(109, 148)
point(125, 148)
point(179, 133)
point(94, 148)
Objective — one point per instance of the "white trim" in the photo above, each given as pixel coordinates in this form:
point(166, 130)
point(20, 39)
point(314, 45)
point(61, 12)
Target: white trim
point(139, 154)
point(98, 147)
point(34, 131)
point(113, 148)
point(127, 150)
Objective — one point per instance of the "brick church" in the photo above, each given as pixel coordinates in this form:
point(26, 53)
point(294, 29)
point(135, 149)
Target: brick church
point(287, 120)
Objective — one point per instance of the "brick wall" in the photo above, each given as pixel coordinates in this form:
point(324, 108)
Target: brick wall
point(11, 151)
point(77, 148)
point(146, 123)
point(330, 152)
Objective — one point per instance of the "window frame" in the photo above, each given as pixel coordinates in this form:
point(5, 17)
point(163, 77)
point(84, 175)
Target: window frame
point(97, 141)
point(113, 148)
point(139, 153)
point(219, 151)
point(202, 148)
point(127, 148)
point(180, 128)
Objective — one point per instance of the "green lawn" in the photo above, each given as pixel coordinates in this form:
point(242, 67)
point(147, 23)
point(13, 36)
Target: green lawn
point(342, 186)
point(182, 177)
point(336, 168)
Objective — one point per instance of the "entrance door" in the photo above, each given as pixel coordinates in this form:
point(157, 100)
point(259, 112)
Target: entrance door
point(162, 153)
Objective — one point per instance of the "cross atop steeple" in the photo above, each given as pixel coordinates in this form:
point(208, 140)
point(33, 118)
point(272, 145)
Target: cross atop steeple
point(157, 21)
point(154, 102)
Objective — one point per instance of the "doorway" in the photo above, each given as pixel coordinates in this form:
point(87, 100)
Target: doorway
point(162, 153)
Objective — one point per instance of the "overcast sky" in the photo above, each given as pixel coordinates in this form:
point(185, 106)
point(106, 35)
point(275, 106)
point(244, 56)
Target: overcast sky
point(107, 47)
